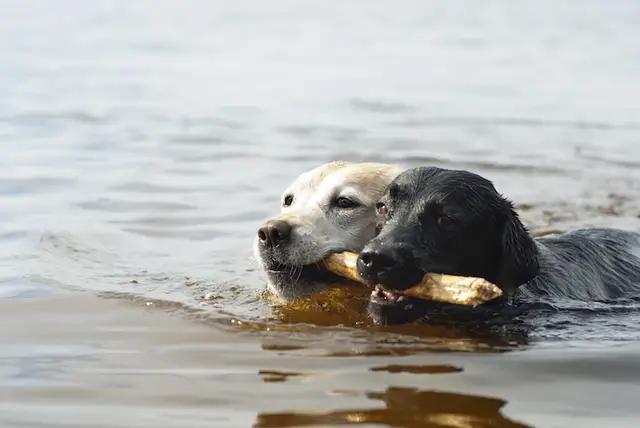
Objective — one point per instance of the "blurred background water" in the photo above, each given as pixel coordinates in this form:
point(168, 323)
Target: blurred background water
point(144, 142)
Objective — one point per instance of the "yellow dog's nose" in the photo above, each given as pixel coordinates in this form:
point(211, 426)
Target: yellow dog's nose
point(273, 232)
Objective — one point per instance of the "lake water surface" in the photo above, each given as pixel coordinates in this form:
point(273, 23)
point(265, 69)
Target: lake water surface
point(144, 142)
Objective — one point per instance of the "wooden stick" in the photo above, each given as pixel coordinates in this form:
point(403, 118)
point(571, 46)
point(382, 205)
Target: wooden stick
point(460, 290)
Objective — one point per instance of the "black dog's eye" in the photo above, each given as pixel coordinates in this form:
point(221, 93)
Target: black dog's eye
point(288, 200)
point(382, 210)
point(444, 220)
point(343, 202)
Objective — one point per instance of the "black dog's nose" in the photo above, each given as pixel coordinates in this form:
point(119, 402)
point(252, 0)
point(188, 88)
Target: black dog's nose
point(274, 232)
point(372, 265)
point(391, 266)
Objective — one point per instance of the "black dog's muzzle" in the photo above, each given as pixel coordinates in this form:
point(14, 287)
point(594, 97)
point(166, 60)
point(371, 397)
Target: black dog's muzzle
point(391, 266)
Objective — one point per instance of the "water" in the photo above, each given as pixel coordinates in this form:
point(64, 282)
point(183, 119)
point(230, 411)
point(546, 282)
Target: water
point(143, 143)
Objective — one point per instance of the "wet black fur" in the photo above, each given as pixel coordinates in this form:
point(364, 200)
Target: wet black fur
point(455, 222)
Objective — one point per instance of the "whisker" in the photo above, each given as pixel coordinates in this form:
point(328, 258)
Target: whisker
point(294, 273)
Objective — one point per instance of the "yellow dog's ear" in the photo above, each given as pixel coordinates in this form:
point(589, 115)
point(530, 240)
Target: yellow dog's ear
point(518, 261)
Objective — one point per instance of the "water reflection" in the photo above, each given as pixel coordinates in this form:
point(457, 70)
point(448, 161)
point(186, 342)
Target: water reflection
point(335, 323)
point(317, 341)
point(341, 304)
point(279, 376)
point(405, 407)
point(417, 369)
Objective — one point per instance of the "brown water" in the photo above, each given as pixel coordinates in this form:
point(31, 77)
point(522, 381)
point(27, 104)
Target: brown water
point(145, 141)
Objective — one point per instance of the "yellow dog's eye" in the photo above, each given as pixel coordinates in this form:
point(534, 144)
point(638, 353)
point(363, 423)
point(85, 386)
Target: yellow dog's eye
point(343, 202)
point(287, 201)
point(382, 210)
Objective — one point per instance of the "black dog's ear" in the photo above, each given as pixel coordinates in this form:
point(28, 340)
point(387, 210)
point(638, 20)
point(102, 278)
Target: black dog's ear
point(519, 256)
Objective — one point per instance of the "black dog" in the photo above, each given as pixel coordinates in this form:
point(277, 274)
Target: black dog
point(447, 221)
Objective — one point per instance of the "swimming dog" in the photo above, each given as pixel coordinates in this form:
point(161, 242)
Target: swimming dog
point(455, 222)
point(328, 209)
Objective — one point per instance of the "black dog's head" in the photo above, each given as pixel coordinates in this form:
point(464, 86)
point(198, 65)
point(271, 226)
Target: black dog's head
point(447, 221)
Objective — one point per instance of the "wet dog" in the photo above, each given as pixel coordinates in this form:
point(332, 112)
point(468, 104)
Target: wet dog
point(447, 221)
point(328, 209)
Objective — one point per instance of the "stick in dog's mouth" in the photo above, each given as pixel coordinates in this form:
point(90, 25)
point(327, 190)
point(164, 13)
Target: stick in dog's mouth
point(460, 290)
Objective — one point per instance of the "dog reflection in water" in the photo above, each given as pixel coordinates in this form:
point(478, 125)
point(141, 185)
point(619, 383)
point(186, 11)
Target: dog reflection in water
point(406, 407)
